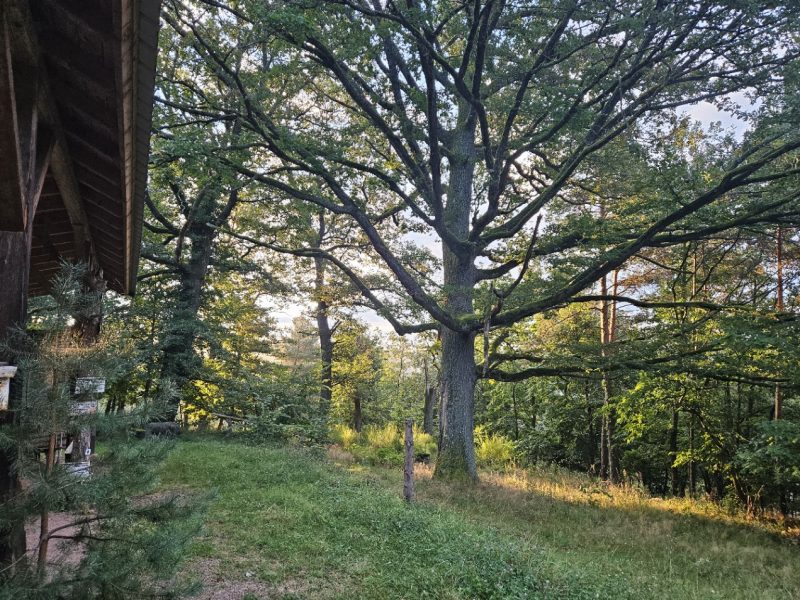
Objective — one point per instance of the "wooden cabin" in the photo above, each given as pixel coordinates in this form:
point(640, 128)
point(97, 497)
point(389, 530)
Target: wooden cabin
point(76, 96)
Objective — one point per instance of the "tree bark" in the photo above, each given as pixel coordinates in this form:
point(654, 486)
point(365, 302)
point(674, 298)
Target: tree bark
point(325, 340)
point(408, 463)
point(323, 324)
point(608, 462)
point(516, 412)
point(778, 408)
point(87, 326)
point(674, 474)
point(430, 401)
point(456, 458)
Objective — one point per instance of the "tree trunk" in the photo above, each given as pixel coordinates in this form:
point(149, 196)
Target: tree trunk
point(358, 417)
point(325, 340)
point(778, 407)
point(516, 413)
point(673, 454)
point(456, 458)
point(608, 460)
point(408, 462)
point(87, 326)
point(179, 358)
point(692, 468)
point(430, 404)
point(590, 418)
point(323, 324)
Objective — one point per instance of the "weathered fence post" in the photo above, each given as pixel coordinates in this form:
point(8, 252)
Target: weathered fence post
point(408, 465)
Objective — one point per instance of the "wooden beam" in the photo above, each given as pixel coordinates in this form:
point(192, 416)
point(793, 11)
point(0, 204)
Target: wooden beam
point(61, 168)
point(12, 199)
point(26, 46)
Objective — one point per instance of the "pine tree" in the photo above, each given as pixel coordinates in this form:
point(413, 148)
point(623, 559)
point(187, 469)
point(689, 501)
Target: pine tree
point(100, 532)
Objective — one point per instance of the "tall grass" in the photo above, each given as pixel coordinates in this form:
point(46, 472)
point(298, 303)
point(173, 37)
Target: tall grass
point(493, 451)
point(343, 435)
point(385, 437)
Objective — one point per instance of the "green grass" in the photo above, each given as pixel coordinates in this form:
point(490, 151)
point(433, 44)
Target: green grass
point(289, 524)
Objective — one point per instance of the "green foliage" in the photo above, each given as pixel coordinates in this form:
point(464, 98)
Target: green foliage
point(770, 464)
point(387, 436)
point(493, 451)
point(379, 444)
point(120, 539)
point(343, 435)
point(424, 443)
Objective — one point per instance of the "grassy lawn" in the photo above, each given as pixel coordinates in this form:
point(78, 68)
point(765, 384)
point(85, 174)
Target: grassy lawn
point(289, 524)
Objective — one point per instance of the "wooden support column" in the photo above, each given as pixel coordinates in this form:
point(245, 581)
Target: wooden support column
point(25, 150)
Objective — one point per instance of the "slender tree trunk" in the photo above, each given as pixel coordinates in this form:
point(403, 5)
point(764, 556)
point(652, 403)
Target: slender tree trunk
point(44, 519)
point(778, 408)
point(516, 414)
point(408, 462)
point(87, 326)
point(673, 454)
point(358, 417)
point(608, 460)
point(590, 417)
point(692, 467)
point(323, 323)
point(604, 445)
point(325, 339)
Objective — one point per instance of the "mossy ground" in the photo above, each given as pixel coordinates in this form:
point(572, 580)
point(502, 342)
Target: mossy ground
point(291, 523)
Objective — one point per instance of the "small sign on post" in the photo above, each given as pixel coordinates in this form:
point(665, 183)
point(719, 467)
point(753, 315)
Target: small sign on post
point(83, 408)
point(408, 464)
point(6, 373)
point(90, 385)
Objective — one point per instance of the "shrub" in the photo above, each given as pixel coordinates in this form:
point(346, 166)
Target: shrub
point(386, 437)
point(770, 464)
point(343, 435)
point(494, 451)
point(424, 443)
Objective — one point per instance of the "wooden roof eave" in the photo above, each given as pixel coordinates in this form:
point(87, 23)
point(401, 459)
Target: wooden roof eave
point(139, 22)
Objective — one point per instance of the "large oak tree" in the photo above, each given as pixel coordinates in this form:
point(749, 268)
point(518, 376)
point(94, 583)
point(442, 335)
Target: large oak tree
point(482, 125)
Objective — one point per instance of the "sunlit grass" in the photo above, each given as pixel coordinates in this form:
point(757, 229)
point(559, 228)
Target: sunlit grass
point(309, 526)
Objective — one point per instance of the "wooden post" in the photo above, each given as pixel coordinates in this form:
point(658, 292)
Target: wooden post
point(408, 465)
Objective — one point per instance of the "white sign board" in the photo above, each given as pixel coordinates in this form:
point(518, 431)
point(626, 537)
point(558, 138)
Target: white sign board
point(6, 373)
point(84, 408)
point(88, 385)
